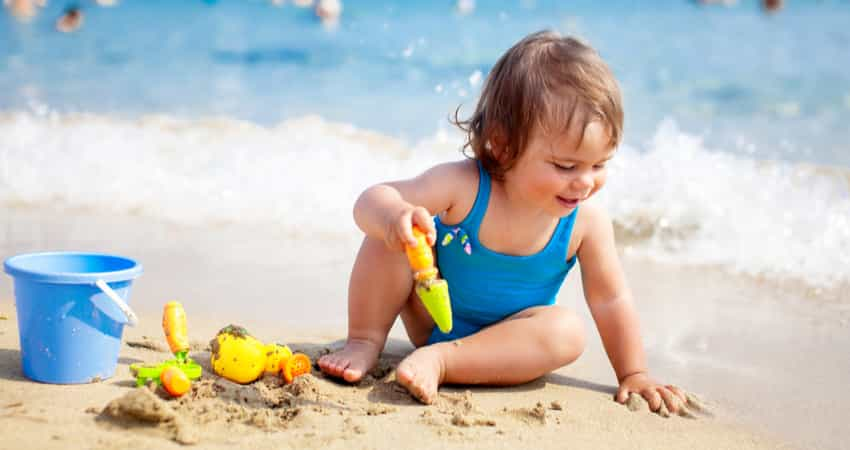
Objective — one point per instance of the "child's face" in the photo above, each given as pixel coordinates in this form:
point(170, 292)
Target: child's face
point(556, 174)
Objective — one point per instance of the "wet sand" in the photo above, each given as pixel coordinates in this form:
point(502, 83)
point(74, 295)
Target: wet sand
point(766, 359)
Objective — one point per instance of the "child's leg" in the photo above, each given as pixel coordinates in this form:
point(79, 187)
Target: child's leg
point(521, 348)
point(380, 288)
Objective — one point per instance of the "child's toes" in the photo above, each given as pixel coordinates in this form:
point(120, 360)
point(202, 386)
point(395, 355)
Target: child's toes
point(404, 375)
point(419, 387)
point(429, 393)
point(332, 365)
point(324, 363)
point(353, 371)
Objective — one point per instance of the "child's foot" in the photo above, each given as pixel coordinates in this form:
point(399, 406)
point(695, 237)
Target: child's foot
point(352, 362)
point(421, 373)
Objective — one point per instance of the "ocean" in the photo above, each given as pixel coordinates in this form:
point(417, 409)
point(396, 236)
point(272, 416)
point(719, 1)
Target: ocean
point(736, 151)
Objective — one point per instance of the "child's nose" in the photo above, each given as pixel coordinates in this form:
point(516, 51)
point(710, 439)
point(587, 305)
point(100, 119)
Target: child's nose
point(583, 182)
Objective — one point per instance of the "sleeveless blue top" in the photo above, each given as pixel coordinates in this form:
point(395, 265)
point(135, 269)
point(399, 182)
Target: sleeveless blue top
point(486, 286)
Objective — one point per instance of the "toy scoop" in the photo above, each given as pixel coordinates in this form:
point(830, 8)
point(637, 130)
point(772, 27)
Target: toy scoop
point(431, 289)
point(175, 374)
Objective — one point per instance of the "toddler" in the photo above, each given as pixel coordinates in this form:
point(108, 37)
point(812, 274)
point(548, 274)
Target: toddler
point(548, 121)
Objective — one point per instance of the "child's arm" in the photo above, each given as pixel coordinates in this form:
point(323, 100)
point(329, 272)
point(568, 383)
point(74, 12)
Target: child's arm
point(610, 303)
point(387, 211)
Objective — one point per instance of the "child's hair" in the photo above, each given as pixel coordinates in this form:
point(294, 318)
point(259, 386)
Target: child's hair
point(545, 81)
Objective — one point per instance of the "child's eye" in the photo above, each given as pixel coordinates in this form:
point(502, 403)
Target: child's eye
point(599, 166)
point(565, 168)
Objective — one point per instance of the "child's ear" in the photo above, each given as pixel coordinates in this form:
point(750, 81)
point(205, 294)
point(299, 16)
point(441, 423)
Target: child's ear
point(497, 145)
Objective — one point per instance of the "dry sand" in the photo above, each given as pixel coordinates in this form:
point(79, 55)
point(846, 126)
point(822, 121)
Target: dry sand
point(769, 360)
point(314, 412)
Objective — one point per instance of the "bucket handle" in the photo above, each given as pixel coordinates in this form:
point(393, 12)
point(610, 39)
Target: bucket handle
point(132, 319)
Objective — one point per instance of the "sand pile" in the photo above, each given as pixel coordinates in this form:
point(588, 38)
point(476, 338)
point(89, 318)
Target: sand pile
point(322, 412)
point(268, 404)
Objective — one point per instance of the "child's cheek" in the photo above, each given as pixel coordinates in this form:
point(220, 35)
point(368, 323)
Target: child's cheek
point(599, 181)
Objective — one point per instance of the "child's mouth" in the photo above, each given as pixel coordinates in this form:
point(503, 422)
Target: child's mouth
point(567, 202)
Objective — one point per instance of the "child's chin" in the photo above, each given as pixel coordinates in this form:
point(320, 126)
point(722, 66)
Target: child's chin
point(562, 212)
point(567, 208)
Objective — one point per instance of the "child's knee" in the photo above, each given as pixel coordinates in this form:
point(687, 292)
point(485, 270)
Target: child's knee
point(373, 248)
point(566, 334)
point(376, 259)
point(376, 253)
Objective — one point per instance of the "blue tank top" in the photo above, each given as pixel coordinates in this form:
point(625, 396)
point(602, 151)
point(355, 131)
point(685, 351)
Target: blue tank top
point(486, 286)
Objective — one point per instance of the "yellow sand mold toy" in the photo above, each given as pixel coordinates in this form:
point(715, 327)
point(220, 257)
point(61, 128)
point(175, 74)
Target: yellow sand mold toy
point(240, 357)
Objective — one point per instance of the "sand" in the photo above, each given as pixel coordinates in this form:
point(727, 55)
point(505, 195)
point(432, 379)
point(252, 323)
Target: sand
point(743, 346)
point(316, 412)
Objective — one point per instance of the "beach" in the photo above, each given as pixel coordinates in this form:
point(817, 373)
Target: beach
point(223, 144)
point(741, 345)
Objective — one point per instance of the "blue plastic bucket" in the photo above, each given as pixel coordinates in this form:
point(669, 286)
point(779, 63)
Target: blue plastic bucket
point(71, 313)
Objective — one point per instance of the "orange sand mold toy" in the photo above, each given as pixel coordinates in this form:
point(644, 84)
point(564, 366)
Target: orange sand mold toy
point(175, 381)
point(298, 364)
point(432, 290)
point(175, 374)
point(240, 357)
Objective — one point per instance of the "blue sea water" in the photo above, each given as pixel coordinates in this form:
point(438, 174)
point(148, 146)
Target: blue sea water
point(777, 82)
point(736, 146)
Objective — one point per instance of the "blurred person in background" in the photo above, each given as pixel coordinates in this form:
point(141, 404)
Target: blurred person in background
point(23, 10)
point(328, 11)
point(71, 20)
point(771, 5)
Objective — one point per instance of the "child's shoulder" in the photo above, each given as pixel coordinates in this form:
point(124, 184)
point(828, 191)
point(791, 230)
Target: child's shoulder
point(462, 178)
point(593, 214)
point(593, 224)
point(465, 169)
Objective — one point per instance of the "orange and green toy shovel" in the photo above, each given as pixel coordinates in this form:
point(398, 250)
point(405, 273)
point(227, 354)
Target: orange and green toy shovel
point(176, 382)
point(432, 290)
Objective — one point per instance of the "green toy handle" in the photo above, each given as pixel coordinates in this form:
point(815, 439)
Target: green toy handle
point(146, 373)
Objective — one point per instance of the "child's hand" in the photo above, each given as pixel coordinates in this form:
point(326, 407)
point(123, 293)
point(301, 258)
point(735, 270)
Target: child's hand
point(653, 392)
point(399, 230)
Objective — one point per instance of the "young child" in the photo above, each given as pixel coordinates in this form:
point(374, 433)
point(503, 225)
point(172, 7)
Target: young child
point(548, 120)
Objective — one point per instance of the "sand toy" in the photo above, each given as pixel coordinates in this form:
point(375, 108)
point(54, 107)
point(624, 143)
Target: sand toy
point(431, 289)
point(240, 357)
point(175, 374)
point(72, 309)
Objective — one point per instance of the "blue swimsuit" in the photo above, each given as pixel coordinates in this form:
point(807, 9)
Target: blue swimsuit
point(486, 286)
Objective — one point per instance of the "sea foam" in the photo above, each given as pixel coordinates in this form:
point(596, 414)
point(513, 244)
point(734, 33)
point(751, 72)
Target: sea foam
point(671, 198)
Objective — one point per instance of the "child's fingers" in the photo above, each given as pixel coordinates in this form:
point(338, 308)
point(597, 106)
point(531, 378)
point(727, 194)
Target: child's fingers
point(422, 219)
point(405, 229)
point(622, 395)
point(670, 399)
point(679, 393)
point(695, 404)
point(652, 397)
